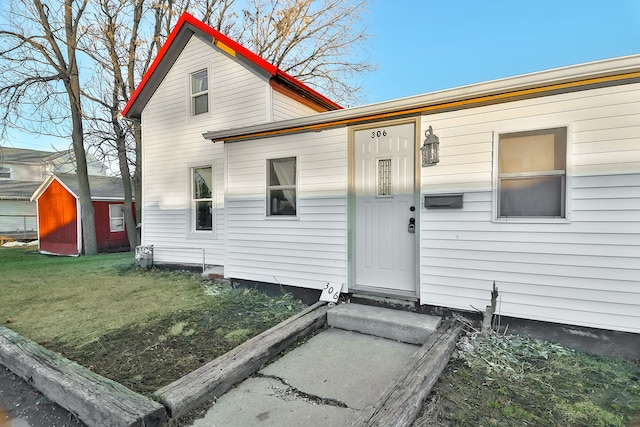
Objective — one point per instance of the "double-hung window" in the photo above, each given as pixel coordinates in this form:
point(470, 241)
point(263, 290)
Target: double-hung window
point(202, 198)
point(281, 187)
point(116, 218)
point(199, 92)
point(532, 174)
point(5, 172)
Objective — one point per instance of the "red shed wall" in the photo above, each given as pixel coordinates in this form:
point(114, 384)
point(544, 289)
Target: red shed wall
point(108, 241)
point(58, 221)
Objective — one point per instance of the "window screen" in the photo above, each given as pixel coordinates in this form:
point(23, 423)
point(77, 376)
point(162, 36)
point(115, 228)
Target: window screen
point(281, 186)
point(202, 198)
point(199, 92)
point(116, 218)
point(532, 174)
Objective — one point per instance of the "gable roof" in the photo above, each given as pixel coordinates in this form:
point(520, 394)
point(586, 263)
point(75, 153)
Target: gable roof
point(187, 26)
point(102, 187)
point(17, 190)
point(26, 156)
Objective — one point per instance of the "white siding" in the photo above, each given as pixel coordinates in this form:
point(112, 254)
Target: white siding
point(21, 172)
point(307, 251)
point(17, 215)
point(287, 108)
point(584, 271)
point(173, 143)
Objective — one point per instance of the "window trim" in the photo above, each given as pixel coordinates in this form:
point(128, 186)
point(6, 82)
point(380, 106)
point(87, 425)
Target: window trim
point(191, 201)
point(191, 95)
point(111, 218)
point(269, 187)
point(566, 186)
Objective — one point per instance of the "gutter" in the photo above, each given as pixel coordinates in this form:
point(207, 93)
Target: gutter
point(604, 73)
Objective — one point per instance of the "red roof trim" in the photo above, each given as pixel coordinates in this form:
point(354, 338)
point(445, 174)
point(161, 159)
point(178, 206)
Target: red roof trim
point(186, 18)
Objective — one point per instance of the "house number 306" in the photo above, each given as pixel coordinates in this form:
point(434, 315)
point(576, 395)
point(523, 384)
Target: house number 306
point(378, 133)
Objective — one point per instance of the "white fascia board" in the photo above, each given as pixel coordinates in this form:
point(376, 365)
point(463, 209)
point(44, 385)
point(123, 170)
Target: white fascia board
point(608, 67)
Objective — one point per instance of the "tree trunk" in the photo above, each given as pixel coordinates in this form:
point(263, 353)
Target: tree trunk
point(137, 176)
point(129, 220)
point(72, 86)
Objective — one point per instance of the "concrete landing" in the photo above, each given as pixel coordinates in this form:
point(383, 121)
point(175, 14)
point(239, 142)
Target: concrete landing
point(327, 381)
point(403, 326)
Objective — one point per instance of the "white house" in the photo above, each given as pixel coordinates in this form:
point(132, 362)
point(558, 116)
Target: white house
point(536, 185)
point(21, 173)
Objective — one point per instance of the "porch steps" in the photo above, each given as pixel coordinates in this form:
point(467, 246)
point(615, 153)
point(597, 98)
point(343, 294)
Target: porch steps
point(398, 325)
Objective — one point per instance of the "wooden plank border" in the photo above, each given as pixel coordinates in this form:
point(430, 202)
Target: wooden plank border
point(96, 400)
point(216, 377)
point(402, 400)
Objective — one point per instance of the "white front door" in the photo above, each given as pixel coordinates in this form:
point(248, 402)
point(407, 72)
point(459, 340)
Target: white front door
point(385, 247)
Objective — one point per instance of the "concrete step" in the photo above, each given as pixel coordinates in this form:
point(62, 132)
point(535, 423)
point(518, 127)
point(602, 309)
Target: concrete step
point(403, 326)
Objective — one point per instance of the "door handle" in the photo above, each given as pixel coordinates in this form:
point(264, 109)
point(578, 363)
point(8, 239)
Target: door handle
point(412, 225)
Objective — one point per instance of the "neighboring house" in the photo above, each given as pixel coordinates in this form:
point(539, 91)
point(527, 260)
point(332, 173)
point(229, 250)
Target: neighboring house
point(59, 213)
point(536, 186)
point(21, 173)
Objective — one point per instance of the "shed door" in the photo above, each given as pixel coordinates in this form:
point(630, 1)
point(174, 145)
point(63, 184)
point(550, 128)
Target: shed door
point(385, 249)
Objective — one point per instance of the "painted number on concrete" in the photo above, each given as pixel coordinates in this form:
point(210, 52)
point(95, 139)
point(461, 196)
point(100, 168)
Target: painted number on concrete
point(331, 292)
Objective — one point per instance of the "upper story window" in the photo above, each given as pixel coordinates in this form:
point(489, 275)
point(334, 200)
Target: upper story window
point(202, 198)
point(532, 174)
point(281, 186)
point(116, 218)
point(199, 92)
point(5, 173)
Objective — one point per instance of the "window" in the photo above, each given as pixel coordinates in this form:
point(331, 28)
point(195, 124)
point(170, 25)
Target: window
point(384, 177)
point(5, 172)
point(532, 174)
point(199, 93)
point(202, 198)
point(116, 218)
point(281, 186)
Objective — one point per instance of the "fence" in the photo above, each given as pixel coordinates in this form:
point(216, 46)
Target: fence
point(19, 226)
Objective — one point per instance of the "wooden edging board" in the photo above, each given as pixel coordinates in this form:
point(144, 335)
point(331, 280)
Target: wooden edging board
point(216, 377)
point(96, 400)
point(402, 400)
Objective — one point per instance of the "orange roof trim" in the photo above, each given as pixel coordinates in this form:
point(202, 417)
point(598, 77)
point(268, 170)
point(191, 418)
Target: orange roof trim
point(234, 49)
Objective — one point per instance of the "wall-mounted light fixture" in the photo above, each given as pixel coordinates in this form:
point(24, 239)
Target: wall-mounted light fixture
point(430, 148)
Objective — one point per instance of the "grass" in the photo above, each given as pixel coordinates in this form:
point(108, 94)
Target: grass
point(76, 300)
point(143, 329)
point(512, 380)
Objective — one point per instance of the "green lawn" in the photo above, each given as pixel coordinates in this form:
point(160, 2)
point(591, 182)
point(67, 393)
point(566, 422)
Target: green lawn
point(76, 300)
point(141, 328)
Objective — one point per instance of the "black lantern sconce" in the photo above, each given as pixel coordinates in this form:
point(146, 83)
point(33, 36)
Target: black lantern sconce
point(430, 148)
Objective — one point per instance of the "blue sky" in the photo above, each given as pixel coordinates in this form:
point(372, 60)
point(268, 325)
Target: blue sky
point(424, 46)
point(428, 45)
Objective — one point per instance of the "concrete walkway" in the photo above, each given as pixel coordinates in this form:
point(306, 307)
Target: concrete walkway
point(325, 382)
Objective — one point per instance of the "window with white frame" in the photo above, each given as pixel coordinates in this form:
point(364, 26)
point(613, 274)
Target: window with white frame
point(116, 218)
point(199, 92)
point(5, 173)
point(532, 174)
point(202, 198)
point(281, 187)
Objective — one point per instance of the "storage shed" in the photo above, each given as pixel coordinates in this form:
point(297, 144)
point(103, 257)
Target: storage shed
point(58, 210)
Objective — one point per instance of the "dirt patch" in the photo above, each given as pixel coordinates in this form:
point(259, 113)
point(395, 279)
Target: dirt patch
point(21, 404)
point(149, 356)
point(512, 380)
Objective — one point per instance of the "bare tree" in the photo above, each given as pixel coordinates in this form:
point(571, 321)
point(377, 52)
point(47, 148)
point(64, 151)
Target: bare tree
point(320, 42)
point(112, 45)
point(39, 65)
